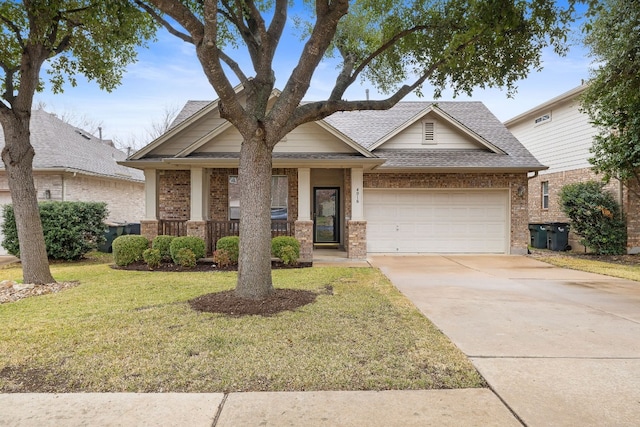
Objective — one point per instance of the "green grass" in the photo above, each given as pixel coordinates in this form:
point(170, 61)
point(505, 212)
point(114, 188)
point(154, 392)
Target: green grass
point(121, 331)
point(630, 272)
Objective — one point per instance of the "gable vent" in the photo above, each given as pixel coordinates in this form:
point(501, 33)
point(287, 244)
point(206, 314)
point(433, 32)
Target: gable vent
point(429, 133)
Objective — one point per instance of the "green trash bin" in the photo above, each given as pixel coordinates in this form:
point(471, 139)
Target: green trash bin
point(538, 235)
point(113, 232)
point(558, 236)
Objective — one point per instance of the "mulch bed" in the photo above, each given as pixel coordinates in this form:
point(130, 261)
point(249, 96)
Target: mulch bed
point(200, 266)
point(228, 303)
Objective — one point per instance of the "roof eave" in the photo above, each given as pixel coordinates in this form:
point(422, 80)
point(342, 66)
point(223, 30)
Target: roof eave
point(451, 169)
point(546, 105)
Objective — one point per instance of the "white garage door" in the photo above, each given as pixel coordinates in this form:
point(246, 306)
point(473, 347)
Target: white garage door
point(431, 221)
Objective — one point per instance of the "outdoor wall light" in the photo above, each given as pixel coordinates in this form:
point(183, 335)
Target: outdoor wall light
point(521, 191)
point(47, 194)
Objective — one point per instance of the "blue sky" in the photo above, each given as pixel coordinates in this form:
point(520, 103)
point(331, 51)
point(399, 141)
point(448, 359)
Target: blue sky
point(168, 74)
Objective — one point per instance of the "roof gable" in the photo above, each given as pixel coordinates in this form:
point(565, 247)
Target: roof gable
point(199, 129)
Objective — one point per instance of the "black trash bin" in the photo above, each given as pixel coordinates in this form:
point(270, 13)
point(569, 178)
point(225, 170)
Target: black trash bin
point(558, 236)
point(132, 228)
point(538, 235)
point(113, 232)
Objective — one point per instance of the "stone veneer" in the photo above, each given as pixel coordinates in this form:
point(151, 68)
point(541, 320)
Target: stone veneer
point(515, 182)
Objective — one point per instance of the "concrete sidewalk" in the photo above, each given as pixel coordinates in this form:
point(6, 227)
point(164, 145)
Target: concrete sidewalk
point(560, 347)
point(471, 407)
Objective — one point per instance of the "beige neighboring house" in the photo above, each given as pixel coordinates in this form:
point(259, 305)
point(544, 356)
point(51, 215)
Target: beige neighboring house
point(422, 177)
point(73, 165)
point(560, 136)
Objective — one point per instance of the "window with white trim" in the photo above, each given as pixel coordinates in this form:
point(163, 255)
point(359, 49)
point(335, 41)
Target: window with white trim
point(428, 132)
point(279, 197)
point(544, 192)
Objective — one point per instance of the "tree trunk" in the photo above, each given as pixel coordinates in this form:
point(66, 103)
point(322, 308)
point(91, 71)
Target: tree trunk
point(254, 261)
point(18, 159)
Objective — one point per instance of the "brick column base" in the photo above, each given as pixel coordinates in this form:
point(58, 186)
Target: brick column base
point(357, 239)
point(304, 235)
point(198, 229)
point(149, 228)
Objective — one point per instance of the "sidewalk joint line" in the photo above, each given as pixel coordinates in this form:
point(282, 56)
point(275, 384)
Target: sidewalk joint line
point(504, 402)
point(219, 411)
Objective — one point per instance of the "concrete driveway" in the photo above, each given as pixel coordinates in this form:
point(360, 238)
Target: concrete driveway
point(560, 347)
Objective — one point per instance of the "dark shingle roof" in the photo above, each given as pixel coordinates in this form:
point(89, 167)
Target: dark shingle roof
point(367, 128)
point(59, 145)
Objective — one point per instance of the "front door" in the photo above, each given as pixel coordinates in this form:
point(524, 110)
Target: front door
point(326, 214)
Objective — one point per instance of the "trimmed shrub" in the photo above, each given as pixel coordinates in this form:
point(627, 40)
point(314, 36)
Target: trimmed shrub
point(152, 257)
point(221, 258)
point(163, 244)
point(289, 255)
point(71, 229)
point(595, 216)
point(185, 257)
point(129, 248)
point(231, 245)
point(277, 249)
point(196, 245)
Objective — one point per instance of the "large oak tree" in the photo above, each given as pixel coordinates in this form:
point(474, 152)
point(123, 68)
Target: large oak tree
point(612, 98)
point(93, 38)
point(399, 46)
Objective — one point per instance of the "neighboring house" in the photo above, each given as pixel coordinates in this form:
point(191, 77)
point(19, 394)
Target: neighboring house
point(422, 177)
point(560, 136)
point(72, 165)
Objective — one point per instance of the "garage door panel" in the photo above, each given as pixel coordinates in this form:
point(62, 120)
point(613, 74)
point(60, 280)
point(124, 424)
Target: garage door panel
point(428, 221)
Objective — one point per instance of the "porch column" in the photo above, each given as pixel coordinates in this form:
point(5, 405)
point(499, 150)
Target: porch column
point(197, 224)
point(356, 225)
point(304, 224)
point(149, 224)
point(357, 196)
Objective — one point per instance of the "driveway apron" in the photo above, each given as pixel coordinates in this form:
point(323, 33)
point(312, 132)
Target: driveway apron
point(560, 347)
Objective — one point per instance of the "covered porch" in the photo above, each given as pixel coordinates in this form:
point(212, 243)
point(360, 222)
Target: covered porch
point(321, 207)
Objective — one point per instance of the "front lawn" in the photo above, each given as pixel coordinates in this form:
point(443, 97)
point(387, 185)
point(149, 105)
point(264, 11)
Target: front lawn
point(621, 266)
point(123, 331)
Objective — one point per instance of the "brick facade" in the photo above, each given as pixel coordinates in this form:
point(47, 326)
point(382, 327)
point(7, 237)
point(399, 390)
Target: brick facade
point(553, 213)
point(124, 199)
point(357, 239)
point(174, 199)
point(304, 235)
point(174, 194)
point(515, 182)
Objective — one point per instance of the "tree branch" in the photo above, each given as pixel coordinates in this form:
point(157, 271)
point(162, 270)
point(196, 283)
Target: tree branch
point(160, 20)
point(347, 77)
point(234, 67)
point(14, 28)
point(328, 16)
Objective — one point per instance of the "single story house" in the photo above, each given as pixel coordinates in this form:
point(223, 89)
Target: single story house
point(560, 135)
point(72, 165)
point(422, 177)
